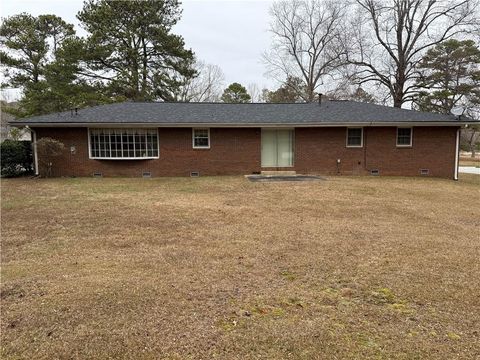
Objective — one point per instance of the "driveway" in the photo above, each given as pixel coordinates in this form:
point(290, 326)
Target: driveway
point(469, 170)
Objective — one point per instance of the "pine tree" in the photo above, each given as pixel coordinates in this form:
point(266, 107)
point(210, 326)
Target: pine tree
point(293, 90)
point(235, 93)
point(41, 58)
point(131, 48)
point(449, 76)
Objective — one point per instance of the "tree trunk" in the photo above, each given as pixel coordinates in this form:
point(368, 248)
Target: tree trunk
point(397, 102)
point(144, 68)
point(472, 144)
point(398, 86)
point(310, 93)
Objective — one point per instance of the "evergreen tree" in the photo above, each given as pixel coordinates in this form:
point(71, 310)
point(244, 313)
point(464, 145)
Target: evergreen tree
point(235, 93)
point(292, 91)
point(130, 47)
point(449, 76)
point(27, 40)
point(41, 58)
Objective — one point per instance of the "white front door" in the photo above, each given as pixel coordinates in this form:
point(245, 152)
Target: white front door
point(277, 148)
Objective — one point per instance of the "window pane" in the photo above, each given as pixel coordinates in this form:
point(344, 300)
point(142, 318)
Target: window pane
point(201, 142)
point(404, 136)
point(130, 146)
point(354, 137)
point(138, 145)
point(269, 148)
point(154, 144)
point(201, 132)
point(200, 138)
point(284, 148)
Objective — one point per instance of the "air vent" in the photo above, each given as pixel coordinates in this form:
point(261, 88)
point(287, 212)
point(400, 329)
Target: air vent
point(424, 171)
point(97, 174)
point(147, 174)
point(194, 174)
point(375, 172)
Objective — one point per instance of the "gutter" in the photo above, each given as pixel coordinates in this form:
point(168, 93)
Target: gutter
point(230, 125)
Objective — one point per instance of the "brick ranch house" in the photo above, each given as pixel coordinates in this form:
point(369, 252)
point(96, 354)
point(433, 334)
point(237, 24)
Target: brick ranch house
point(191, 139)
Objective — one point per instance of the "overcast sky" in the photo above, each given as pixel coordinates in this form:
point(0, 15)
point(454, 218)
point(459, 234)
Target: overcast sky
point(228, 33)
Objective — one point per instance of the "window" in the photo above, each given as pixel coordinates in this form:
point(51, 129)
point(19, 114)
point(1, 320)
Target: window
point(354, 137)
point(201, 138)
point(404, 136)
point(123, 143)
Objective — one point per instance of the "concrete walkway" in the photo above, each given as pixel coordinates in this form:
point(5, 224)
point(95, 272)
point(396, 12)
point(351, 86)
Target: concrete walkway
point(469, 170)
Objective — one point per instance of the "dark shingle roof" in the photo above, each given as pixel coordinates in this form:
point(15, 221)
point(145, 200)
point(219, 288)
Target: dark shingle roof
point(221, 114)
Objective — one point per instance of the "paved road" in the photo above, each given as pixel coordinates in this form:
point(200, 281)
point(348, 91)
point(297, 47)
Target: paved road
point(469, 170)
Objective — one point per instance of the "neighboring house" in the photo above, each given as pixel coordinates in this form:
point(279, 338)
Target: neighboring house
point(5, 119)
point(4, 127)
point(183, 139)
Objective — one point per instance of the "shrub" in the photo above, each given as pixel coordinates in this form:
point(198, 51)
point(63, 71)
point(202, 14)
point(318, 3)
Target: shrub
point(16, 158)
point(48, 149)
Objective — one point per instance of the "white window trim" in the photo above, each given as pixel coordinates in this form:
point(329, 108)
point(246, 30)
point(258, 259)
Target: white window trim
point(193, 138)
point(123, 158)
point(411, 137)
point(361, 139)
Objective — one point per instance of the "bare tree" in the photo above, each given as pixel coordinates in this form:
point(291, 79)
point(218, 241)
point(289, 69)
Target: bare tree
point(254, 92)
point(390, 37)
point(470, 139)
point(305, 41)
point(206, 86)
point(351, 93)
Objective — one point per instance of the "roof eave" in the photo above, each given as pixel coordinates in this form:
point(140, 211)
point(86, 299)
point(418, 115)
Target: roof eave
point(237, 125)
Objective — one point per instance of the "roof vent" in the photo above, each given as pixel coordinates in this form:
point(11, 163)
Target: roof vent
point(320, 99)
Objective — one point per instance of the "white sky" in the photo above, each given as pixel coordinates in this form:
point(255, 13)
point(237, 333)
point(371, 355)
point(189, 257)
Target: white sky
point(229, 33)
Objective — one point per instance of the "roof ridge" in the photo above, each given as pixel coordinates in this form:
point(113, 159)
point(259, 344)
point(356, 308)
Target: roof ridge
point(212, 102)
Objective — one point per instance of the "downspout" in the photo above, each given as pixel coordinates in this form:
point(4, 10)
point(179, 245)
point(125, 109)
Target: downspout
point(365, 142)
point(457, 154)
point(35, 156)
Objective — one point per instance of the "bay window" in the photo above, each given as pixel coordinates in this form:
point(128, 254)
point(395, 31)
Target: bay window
point(123, 143)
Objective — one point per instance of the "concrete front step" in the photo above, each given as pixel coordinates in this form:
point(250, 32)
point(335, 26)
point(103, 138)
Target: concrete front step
point(278, 173)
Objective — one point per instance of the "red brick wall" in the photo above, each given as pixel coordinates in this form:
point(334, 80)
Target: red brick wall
point(433, 148)
point(238, 151)
point(232, 151)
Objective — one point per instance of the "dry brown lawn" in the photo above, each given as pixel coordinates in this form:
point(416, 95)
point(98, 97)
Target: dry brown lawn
point(180, 268)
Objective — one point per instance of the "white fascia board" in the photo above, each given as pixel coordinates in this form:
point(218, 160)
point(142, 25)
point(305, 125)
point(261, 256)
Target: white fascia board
point(246, 125)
